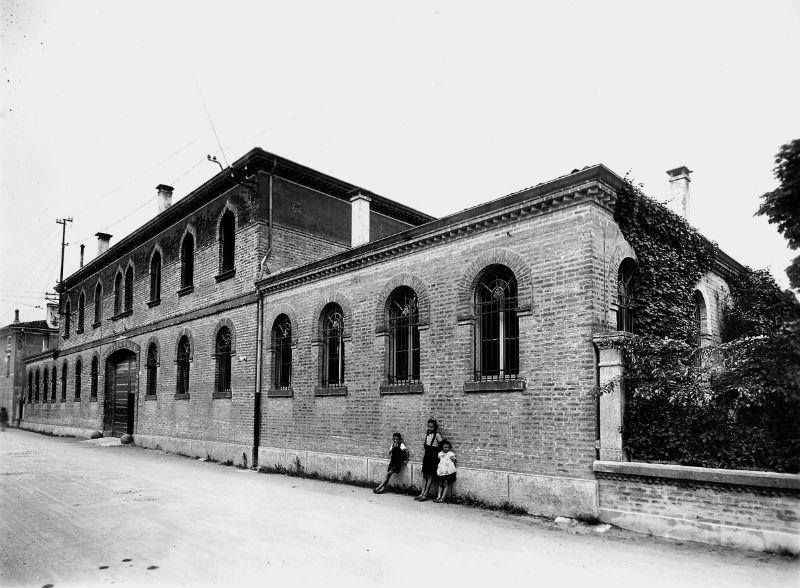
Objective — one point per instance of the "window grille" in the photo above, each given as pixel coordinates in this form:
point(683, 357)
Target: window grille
point(118, 294)
point(227, 242)
point(36, 397)
point(333, 347)
point(187, 261)
point(78, 370)
point(282, 352)
point(152, 369)
point(497, 327)
point(184, 354)
point(222, 353)
point(94, 376)
point(403, 337)
point(53, 378)
point(129, 289)
point(30, 387)
point(98, 303)
point(626, 300)
point(155, 276)
point(67, 318)
point(64, 382)
point(81, 310)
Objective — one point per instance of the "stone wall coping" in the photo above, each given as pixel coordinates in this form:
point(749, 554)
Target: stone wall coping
point(698, 474)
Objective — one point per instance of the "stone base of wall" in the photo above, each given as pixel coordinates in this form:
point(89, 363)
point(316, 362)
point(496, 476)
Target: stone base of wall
point(58, 431)
point(737, 508)
point(240, 455)
point(542, 495)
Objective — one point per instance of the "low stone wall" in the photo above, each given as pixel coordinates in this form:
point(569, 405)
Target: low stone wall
point(753, 510)
point(543, 495)
point(58, 431)
point(240, 455)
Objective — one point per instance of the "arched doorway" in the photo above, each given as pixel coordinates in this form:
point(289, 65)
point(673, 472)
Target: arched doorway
point(121, 385)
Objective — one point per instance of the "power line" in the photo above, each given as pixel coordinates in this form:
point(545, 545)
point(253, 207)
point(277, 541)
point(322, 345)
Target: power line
point(213, 128)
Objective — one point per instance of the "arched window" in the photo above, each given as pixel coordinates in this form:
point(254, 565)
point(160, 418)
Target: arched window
point(155, 277)
point(187, 261)
point(700, 319)
point(53, 382)
point(403, 336)
point(64, 382)
point(497, 326)
point(118, 293)
point(45, 384)
point(129, 289)
point(36, 396)
point(626, 295)
point(94, 375)
point(222, 354)
point(282, 352)
point(152, 369)
point(332, 346)
point(81, 312)
point(227, 242)
point(67, 318)
point(78, 374)
point(30, 387)
point(183, 362)
point(98, 303)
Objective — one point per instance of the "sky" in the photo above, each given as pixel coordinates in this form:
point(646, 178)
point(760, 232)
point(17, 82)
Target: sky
point(438, 105)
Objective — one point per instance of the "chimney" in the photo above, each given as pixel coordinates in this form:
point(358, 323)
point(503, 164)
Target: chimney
point(359, 233)
point(103, 239)
point(52, 315)
point(679, 190)
point(82, 248)
point(16, 315)
point(164, 197)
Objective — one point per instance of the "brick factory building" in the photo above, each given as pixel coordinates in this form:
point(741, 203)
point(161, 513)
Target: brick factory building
point(279, 316)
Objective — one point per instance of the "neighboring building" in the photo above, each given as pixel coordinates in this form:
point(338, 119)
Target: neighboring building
point(20, 340)
point(279, 316)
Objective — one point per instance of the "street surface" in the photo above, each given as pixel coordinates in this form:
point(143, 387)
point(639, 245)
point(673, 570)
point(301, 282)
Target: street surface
point(76, 513)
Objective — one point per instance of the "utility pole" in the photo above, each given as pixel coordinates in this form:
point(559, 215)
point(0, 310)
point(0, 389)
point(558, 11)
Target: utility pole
point(63, 222)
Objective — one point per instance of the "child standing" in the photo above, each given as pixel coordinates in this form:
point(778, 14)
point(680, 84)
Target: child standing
point(398, 456)
point(430, 459)
point(446, 471)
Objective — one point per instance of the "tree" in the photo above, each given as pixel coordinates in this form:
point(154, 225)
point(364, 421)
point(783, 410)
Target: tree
point(782, 205)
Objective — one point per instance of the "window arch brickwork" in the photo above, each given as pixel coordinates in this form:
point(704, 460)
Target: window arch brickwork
point(383, 301)
point(465, 309)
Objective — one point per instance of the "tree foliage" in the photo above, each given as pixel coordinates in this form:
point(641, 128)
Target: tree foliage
point(782, 205)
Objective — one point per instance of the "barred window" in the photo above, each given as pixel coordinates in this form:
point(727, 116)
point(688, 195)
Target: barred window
point(222, 352)
point(227, 242)
point(36, 397)
point(67, 318)
point(282, 352)
point(626, 296)
point(155, 276)
point(78, 370)
point(98, 303)
point(81, 311)
point(94, 376)
point(30, 387)
point(118, 293)
point(183, 362)
point(64, 382)
point(497, 326)
point(187, 261)
point(53, 379)
point(129, 289)
point(332, 346)
point(403, 337)
point(152, 369)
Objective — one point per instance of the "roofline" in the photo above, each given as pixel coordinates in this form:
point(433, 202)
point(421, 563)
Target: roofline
point(259, 160)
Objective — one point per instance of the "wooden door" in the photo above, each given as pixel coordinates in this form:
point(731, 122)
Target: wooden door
point(124, 382)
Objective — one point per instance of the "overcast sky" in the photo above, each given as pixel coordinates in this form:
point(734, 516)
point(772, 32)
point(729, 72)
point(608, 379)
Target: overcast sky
point(438, 105)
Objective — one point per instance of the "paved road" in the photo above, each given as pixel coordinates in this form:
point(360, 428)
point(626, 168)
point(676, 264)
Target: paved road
point(73, 513)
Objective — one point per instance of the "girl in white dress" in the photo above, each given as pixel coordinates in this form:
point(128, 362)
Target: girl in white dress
point(446, 471)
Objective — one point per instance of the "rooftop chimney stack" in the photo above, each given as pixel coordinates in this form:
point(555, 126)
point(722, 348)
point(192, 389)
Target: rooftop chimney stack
point(164, 197)
point(360, 205)
point(82, 249)
point(679, 190)
point(103, 240)
point(52, 315)
point(16, 315)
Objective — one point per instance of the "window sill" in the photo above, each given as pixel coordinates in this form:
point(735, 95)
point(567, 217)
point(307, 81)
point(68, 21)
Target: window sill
point(226, 275)
point(123, 314)
point(495, 386)
point(182, 396)
point(93, 399)
point(221, 395)
point(186, 290)
point(76, 400)
point(149, 397)
point(96, 324)
point(280, 393)
point(79, 331)
point(152, 303)
point(410, 388)
point(330, 391)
